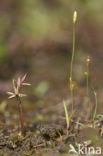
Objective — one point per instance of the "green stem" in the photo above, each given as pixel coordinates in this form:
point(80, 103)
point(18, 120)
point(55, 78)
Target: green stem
point(73, 52)
point(87, 79)
point(71, 67)
point(88, 83)
point(95, 112)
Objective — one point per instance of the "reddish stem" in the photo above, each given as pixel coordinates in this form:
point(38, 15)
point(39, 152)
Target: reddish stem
point(21, 114)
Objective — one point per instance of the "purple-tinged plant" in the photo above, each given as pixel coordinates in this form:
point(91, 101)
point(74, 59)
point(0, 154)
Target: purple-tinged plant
point(17, 85)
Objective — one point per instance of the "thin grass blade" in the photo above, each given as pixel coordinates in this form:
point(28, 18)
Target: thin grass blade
point(66, 114)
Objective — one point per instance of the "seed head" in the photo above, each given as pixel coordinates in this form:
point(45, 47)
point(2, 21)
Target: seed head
point(17, 84)
point(75, 17)
point(88, 61)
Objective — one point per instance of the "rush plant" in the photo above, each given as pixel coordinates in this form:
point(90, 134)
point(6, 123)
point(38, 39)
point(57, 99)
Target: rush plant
point(17, 85)
point(72, 59)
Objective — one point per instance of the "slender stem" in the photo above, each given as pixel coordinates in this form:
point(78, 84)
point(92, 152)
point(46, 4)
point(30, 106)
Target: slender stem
point(95, 112)
point(88, 82)
point(71, 68)
point(73, 52)
point(21, 114)
point(72, 98)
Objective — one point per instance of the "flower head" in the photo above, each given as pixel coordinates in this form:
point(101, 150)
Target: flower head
point(75, 17)
point(88, 61)
point(17, 84)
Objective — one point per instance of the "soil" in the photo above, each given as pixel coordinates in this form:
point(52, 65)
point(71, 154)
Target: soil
point(44, 118)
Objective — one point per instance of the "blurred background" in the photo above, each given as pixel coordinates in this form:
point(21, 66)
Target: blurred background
point(36, 38)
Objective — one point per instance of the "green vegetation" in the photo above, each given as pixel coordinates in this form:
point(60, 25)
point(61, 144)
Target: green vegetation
point(66, 115)
point(46, 129)
point(72, 60)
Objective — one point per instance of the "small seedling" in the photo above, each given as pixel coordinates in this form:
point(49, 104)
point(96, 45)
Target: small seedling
point(17, 85)
point(67, 116)
point(72, 59)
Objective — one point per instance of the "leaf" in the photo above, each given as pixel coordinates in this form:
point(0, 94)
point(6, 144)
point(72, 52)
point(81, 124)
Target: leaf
point(14, 85)
point(66, 114)
point(18, 82)
point(22, 95)
point(26, 84)
point(23, 78)
point(10, 93)
point(12, 96)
